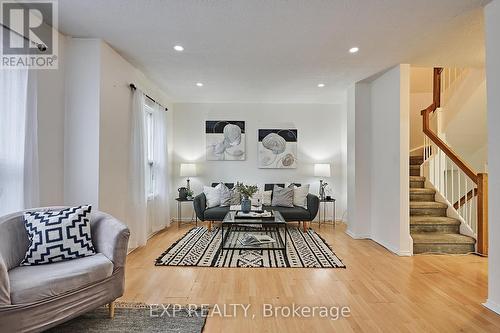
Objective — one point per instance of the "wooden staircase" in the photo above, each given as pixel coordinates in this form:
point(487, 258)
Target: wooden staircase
point(430, 227)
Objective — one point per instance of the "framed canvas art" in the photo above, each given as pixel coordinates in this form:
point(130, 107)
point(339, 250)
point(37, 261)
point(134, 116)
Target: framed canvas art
point(225, 140)
point(277, 148)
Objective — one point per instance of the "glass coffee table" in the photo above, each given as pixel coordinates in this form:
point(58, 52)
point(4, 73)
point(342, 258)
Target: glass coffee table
point(234, 228)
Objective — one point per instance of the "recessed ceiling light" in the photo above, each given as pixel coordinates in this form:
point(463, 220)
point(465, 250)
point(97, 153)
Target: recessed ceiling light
point(178, 48)
point(199, 84)
point(354, 49)
point(321, 85)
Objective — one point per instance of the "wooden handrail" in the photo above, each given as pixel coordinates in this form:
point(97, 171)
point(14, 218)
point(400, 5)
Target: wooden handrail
point(480, 179)
point(436, 103)
point(463, 200)
point(461, 164)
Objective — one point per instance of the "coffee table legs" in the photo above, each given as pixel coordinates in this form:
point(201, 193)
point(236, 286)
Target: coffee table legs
point(221, 238)
point(286, 233)
point(224, 236)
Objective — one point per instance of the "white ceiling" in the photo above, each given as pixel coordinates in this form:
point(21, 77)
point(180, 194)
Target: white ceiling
point(276, 50)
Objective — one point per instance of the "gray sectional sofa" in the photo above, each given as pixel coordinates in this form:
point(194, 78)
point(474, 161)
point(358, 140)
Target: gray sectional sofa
point(296, 214)
point(35, 298)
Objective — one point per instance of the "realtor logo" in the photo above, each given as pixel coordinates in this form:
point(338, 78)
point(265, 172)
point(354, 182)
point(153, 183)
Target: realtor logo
point(29, 34)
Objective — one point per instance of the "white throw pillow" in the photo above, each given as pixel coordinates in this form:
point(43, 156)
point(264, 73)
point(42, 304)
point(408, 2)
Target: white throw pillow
point(266, 197)
point(300, 195)
point(213, 195)
point(57, 235)
point(225, 195)
point(256, 198)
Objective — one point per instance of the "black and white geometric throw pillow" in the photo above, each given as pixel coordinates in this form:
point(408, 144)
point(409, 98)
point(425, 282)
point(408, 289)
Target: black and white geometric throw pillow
point(58, 235)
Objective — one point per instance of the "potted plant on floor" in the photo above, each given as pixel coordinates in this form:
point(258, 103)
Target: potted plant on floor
point(246, 192)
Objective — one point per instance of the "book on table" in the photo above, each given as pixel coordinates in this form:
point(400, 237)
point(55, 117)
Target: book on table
point(256, 239)
point(253, 208)
point(262, 214)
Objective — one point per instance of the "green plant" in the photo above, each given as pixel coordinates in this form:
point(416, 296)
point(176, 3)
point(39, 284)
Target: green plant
point(190, 193)
point(246, 191)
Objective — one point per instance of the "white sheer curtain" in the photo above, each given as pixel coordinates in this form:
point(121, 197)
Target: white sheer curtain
point(137, 206)
point(19, 188)
point(159, 204)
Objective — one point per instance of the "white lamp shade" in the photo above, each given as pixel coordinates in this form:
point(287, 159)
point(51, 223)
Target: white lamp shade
point(188, 169)
point(322, 170)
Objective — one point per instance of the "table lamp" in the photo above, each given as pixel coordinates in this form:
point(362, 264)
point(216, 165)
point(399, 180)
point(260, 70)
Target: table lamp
point(322, 170)
point(188, 170)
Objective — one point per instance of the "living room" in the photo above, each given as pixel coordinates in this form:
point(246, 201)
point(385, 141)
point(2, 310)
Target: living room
point(192, 166)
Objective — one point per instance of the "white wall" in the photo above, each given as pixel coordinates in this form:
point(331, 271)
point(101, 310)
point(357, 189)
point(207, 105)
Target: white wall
point(343, 146)
point(378, 191)
point(51, 106)
point(492, 19)
point(358, 160)
point(81, 130)
point(319, 141)
point(418, 102)
point(465, 118)
point(421, 80)
point(390, 159)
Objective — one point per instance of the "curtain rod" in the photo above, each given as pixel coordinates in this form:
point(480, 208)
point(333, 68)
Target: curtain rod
point(133, 87)
point(41, 47)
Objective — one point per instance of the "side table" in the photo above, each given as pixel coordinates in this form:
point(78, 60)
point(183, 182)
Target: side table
point(334, 207)
point(179, 211)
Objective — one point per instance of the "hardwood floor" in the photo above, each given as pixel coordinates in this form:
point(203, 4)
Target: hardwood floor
point(384, 292)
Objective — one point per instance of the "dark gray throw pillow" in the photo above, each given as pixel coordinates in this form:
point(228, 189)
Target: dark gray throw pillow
point(282, 196)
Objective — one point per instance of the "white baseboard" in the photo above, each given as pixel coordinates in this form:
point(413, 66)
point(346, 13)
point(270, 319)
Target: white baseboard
point(405, 253)
point(389, 248)
point(356, 236)
point(495, 307)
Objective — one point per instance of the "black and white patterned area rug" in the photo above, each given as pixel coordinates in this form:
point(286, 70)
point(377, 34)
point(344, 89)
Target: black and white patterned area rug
point(201, 248)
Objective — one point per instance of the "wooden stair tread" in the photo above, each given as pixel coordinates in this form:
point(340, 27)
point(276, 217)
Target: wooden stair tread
point(439, 238)
point(418, 190)
point(417, 179)
point(416, 158)
point(415, 166)
point(433, 220)
point(427, 204)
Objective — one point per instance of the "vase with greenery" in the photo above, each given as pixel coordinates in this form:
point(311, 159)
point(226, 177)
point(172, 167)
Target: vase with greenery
point(246, 192)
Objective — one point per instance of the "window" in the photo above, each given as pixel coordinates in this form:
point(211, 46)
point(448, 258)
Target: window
point(18, 146)
point(150, 175)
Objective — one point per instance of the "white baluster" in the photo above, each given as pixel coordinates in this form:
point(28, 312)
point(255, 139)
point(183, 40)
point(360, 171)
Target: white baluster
point(472, 215)
point(466, 214)
point(446, 178)
point(440, 172)
point(452, 182)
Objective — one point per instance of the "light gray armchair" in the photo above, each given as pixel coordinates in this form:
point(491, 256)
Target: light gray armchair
point(35, 298)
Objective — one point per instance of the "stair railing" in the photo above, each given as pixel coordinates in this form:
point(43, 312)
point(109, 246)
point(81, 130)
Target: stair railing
point(452, 177)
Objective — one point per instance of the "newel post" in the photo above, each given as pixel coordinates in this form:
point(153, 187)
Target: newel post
point(482, 213)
